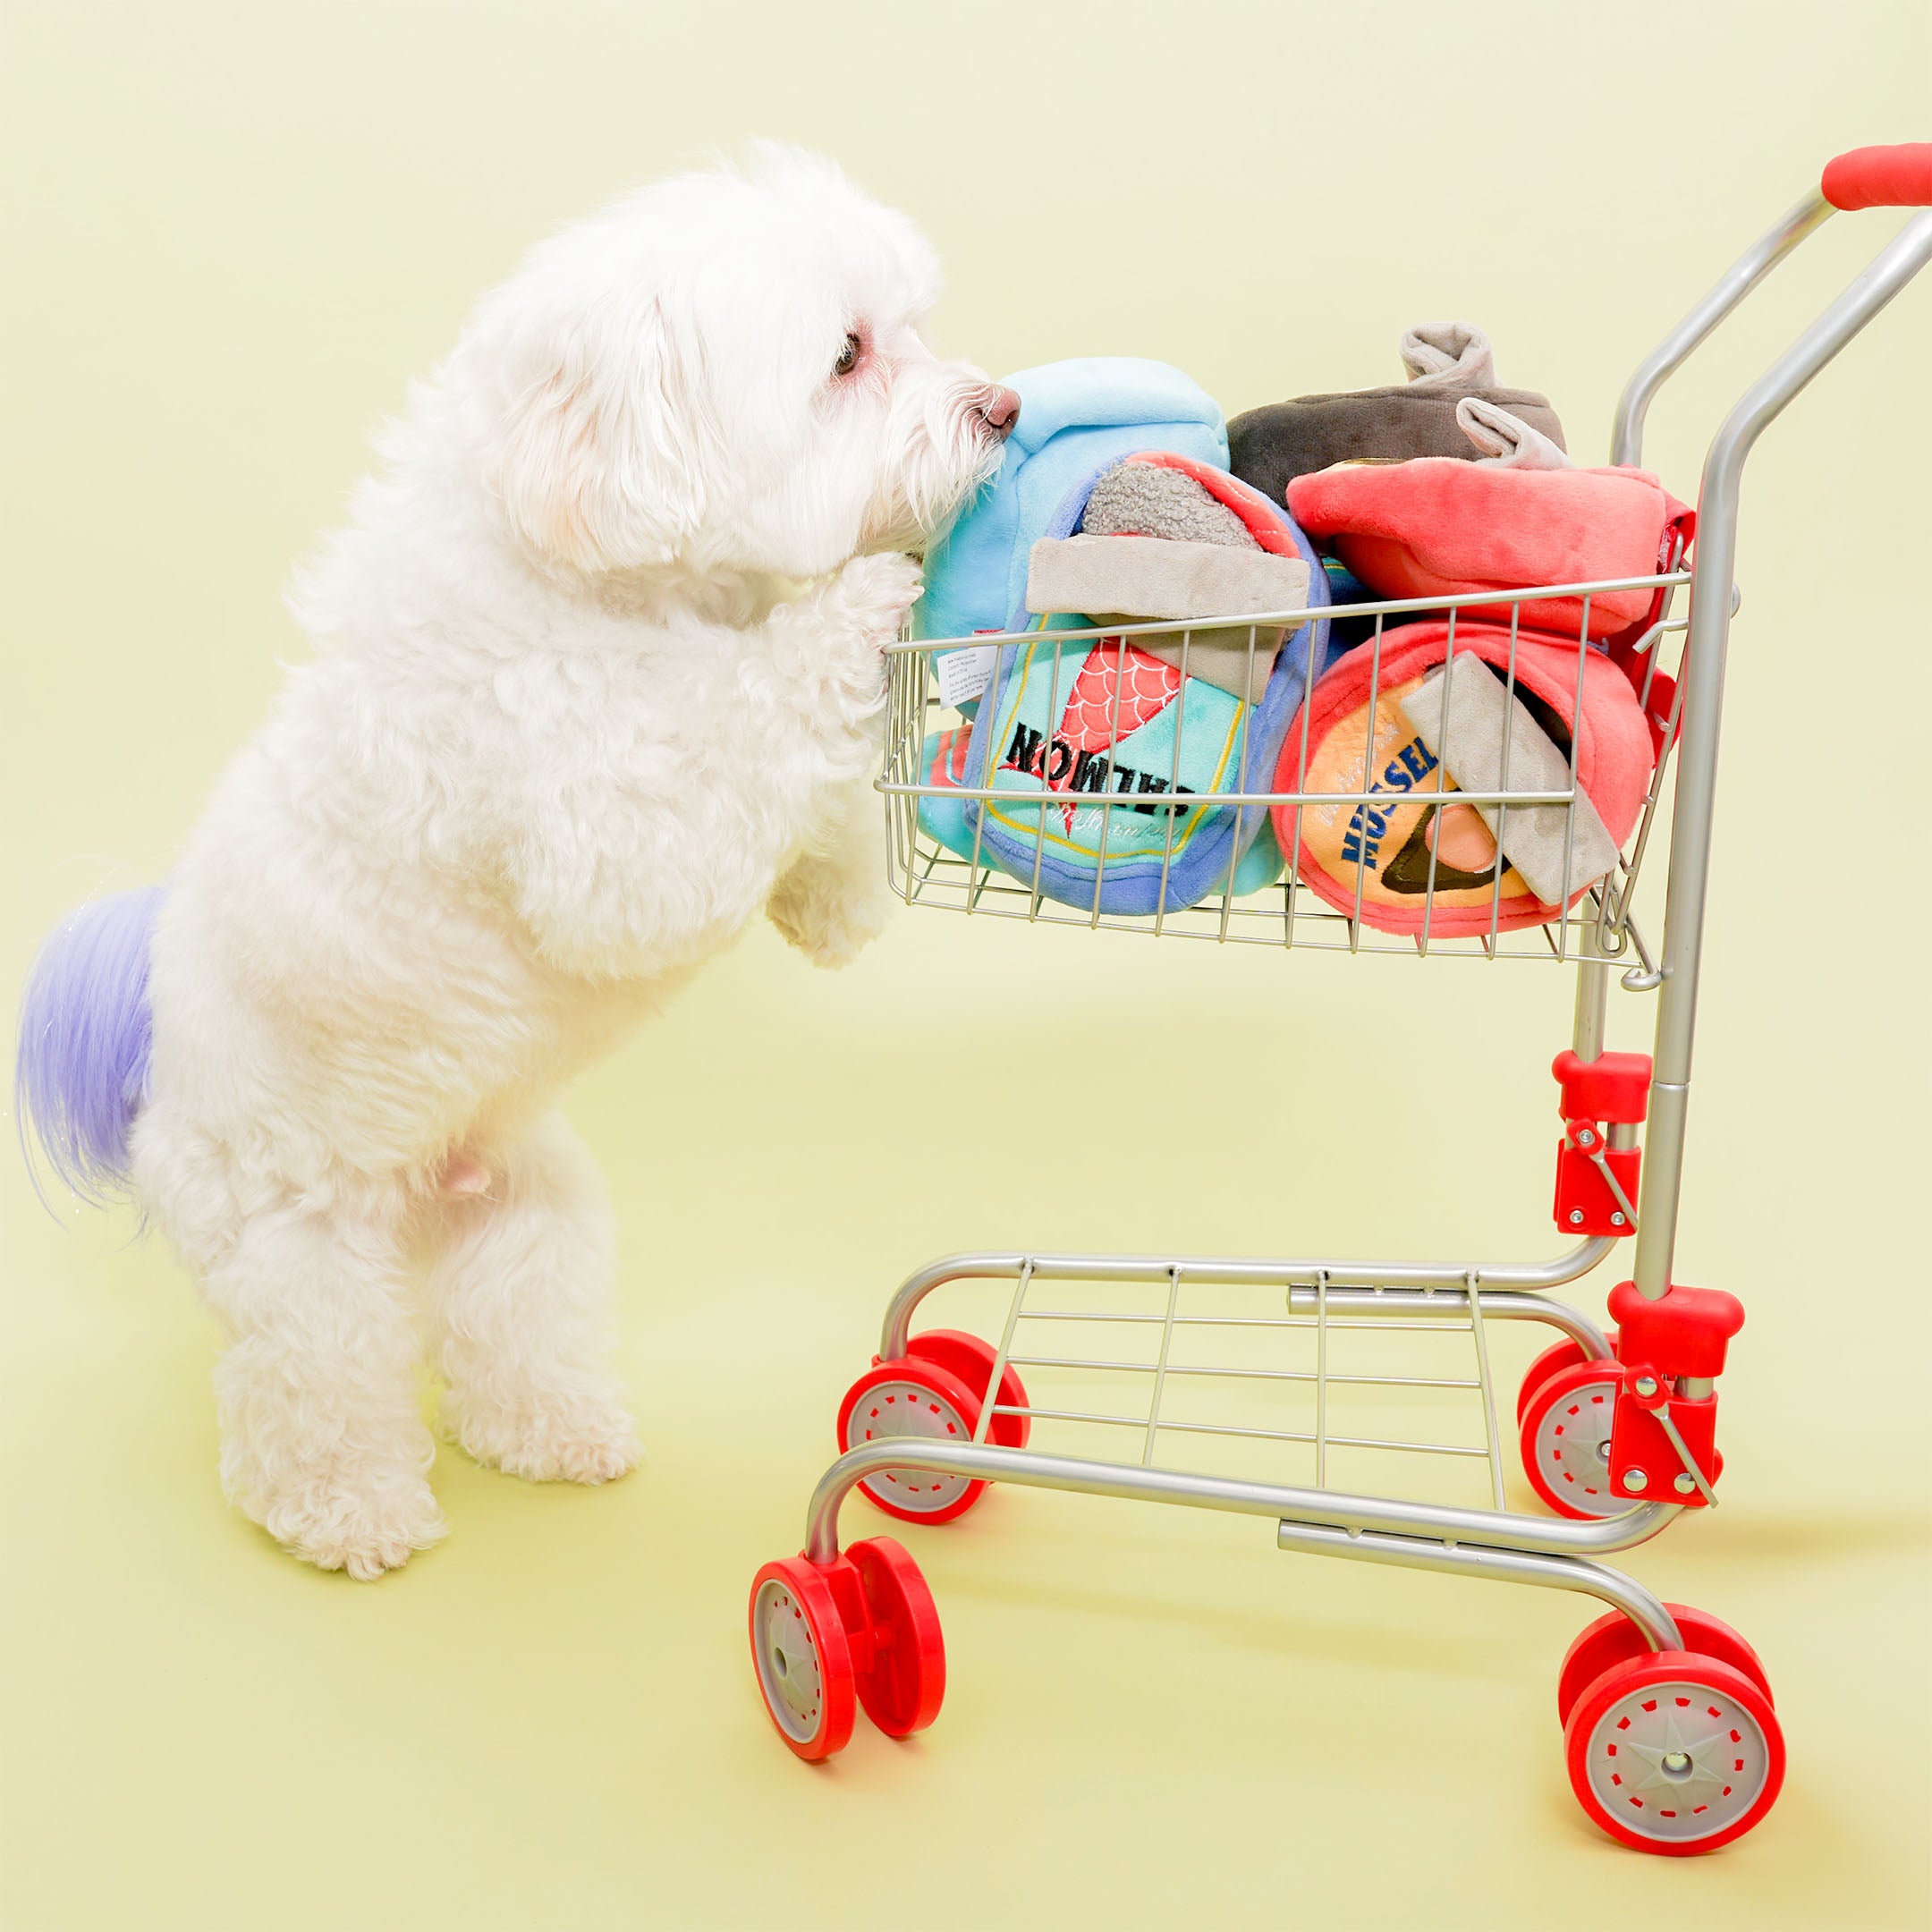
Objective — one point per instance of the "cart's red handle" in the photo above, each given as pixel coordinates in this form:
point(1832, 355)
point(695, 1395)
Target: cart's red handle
point(1880, 177)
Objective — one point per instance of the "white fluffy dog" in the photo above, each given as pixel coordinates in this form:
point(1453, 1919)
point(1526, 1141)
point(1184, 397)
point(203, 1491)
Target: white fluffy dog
point(598, 676)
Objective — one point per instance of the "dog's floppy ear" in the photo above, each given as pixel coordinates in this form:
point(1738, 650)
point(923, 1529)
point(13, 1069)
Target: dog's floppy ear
point(599, 459)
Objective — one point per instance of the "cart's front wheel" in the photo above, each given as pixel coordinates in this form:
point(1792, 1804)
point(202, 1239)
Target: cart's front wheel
point(803, 1662)
point(1566, 1440)
point(1674, 1753)
point(1612, 1638)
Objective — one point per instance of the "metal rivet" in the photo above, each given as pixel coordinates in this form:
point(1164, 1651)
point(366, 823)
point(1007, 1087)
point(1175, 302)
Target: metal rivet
point(1576, 1217)
point(1616, 1219)
point(1636, 1480)
point(1646, 1385)
point(1686, 1485)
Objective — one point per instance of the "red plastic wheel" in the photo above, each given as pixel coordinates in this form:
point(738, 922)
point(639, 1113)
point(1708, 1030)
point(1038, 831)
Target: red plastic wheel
point(1613, 1639)
point(910, 1397)
point(971, 1361)
point(1674, 1753)
point(1557, 1357)
point(803, 1662)
point(905, 1684)
point(1566, 1440)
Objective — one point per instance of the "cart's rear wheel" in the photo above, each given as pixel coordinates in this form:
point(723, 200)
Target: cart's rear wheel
point(971, 1361)
point(1674, 1753)
point(902, 1686)
point(1566, 1440)
point(803, 1662)
point(1613, 1639)
point(1554, 1360)
point(917, 1400)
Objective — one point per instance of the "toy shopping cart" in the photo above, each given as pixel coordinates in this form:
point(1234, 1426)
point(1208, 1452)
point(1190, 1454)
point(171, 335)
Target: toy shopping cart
point(1306, 1390)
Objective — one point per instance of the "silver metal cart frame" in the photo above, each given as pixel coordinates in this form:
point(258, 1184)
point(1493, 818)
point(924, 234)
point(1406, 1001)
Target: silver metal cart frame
point(884, 1615)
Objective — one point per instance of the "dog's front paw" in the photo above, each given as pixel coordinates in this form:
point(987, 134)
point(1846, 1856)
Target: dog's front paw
point(362, 1532)
point(584, 1438)
point(863, 613)
point(878, 589)
point(825, 916)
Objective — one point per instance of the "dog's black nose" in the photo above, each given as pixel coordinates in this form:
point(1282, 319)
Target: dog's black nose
point(1001, 409)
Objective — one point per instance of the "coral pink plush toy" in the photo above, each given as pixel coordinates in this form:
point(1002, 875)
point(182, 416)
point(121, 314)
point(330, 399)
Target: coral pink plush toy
point(1437, 527)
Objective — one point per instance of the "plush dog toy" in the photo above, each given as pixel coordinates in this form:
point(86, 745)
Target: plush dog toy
point(1412, 855)
point(1448, 363)
point(1089, 718)
point(943, 819)
point(1440, 528)
point(942, 764)
point(1488, 740)
point(1156, 541)
point(1075, 418)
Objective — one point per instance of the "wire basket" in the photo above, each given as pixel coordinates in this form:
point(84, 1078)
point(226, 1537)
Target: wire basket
point(1287, 913)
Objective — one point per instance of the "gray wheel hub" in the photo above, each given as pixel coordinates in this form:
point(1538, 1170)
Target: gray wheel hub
point(906, 1409)
point(788, 1662)
point(1677, 1761)
point(1573, 1448)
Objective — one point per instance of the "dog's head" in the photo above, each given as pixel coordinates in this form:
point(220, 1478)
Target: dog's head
point(726, 372)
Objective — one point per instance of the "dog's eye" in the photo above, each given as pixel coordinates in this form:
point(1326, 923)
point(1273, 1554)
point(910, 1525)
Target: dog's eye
point(848, 357)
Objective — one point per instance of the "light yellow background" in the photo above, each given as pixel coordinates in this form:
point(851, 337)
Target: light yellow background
point(232, 234)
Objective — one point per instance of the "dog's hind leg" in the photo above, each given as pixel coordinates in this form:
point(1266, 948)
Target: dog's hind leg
point(520, 1303)
point(322, 1437)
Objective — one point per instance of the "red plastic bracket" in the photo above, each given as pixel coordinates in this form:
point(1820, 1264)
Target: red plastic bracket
point(1638, 1443)
point(1612, 1086)
point(1585, 1205)
point(1615, 1087)
point(1683, 1333)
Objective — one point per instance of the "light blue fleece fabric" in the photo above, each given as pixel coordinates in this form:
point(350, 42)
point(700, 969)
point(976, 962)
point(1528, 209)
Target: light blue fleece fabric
point(1075, 418)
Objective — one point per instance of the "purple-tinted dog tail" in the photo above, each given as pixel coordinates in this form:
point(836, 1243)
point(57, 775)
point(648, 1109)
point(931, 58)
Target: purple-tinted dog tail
point(85, 1037)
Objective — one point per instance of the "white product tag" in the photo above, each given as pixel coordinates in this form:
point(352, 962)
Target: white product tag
point(964, 675)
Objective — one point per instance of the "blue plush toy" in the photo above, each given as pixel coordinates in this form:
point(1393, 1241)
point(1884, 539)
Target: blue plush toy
point(1086, 721)
point(1051, 723)
point(1075, 418)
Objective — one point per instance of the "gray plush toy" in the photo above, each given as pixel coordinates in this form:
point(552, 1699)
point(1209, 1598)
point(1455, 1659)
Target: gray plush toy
point(1448, 362)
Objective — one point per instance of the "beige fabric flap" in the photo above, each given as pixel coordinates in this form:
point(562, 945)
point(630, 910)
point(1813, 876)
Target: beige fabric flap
point(1463, 720)
point(1157, 577)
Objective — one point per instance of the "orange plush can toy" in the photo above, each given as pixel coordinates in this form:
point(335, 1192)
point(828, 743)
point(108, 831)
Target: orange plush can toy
point(1414, 860)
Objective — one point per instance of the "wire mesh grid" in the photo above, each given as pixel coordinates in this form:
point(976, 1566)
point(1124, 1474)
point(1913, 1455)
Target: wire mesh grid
point(1311, 1388)
point(1048, 782)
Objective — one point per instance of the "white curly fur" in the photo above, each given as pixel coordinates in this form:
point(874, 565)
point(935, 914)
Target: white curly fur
point(598, 676)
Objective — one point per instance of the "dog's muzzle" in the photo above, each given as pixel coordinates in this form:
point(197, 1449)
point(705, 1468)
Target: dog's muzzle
point(999, 409)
